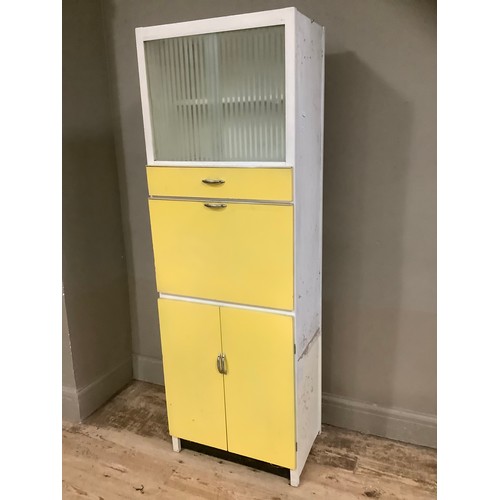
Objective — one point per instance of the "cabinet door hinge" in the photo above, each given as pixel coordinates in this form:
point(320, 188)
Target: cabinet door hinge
point(295, 348)
point(296, 447)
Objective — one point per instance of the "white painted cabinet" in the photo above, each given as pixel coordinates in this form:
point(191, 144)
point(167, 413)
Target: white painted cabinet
point(233, 123)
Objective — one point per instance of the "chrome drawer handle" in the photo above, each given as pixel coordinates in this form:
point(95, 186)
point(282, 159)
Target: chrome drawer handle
point(213, 181)
point(215, 205)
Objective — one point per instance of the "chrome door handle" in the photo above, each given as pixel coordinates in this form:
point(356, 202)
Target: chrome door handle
point(221, 364)
point(215, 205)
point(213, 181)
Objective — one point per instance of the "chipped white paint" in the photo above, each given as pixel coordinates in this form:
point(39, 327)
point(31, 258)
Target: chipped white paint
point(308, 196)
point(308, 410)
point(308, 179)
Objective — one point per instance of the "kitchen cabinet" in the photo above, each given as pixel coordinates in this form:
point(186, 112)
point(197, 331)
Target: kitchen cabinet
point(233, 125)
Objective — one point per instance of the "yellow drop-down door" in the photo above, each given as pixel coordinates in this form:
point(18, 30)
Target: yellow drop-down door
point(223, 251)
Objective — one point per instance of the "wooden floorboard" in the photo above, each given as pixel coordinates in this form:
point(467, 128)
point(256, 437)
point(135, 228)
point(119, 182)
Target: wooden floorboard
point(124, 451)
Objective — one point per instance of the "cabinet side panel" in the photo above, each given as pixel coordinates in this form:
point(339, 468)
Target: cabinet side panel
point(308, 195)
point(308, 393)
point(308, 179)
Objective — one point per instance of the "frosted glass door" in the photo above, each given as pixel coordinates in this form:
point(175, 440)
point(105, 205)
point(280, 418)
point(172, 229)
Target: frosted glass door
point(218, 96)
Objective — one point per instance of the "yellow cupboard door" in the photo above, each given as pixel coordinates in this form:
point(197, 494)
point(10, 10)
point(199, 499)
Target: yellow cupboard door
point(232, 252)
point(191, 342)
point(259, 385)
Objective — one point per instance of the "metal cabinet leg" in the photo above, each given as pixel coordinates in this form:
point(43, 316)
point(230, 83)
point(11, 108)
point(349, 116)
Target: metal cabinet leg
point(294, 478)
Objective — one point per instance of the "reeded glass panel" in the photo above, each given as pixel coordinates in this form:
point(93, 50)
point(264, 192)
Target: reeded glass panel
point(219, 96)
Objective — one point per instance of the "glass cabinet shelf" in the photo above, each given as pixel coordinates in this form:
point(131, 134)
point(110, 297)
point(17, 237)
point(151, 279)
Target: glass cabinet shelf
point(233, 100)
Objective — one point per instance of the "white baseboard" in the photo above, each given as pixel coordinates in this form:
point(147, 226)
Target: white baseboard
point(70, 405)
point(148, 369)
point(80, 403)
point(401, 425)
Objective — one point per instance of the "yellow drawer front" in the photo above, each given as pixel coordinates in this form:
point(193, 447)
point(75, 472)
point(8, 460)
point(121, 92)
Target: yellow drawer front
point(259, 385)
point(191, 342)
point(237, 183)
point(242, 253)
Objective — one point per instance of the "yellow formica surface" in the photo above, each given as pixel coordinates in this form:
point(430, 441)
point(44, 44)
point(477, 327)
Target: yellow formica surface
point(274, 184)
point(237, 252)
point(246, 405)
point(259, 385)
point(191, 342)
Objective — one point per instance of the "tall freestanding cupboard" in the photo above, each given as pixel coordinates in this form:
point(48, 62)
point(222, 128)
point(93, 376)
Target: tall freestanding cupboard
point(233, 123)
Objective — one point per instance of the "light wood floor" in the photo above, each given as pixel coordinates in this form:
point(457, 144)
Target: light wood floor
point(124, 451)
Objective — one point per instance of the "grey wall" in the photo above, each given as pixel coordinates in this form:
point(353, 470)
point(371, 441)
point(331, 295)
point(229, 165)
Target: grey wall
point(379, 326)
point(96, 344)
